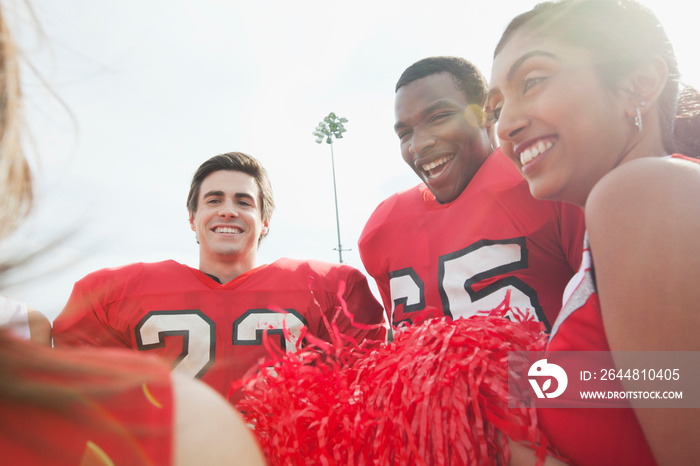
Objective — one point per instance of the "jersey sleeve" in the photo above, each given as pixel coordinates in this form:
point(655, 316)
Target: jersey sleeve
point(367, 315)
point(83, 321)
point(343, 297)
point(372, 258)
point(380, 276)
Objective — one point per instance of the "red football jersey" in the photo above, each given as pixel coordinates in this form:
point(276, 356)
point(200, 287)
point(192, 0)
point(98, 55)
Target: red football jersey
point(106, 420)
point(599, 436)
point(460, 258)
point(214, 331)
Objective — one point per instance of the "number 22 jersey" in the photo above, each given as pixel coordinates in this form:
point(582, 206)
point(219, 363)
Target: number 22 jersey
point(215, 331)
point(460, 258)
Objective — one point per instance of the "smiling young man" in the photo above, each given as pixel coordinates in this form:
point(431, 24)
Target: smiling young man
point(215, 322)
point(470, 234)
point(226, 213)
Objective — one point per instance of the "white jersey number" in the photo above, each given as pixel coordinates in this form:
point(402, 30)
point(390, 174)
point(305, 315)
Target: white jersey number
point(460, 271)
point(248, 329)
point(199, 334)
point(198, 338)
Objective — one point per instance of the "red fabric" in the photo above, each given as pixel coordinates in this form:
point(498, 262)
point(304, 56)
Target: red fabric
point(210, 330)
point(596, 436)
point(131, 424)
point(434, 396)
point(495, 234)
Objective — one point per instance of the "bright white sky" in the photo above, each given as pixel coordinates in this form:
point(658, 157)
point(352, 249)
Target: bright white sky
point(156, 87)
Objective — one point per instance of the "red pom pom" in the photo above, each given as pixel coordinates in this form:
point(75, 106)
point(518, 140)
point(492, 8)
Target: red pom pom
point(438, 394)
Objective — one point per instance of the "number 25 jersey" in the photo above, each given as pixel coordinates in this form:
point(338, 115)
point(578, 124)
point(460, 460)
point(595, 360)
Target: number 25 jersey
point(460, 258)
point(214, 331)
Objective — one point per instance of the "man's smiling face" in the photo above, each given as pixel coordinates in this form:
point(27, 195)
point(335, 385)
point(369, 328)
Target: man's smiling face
point(442, 134)
point(228, 219)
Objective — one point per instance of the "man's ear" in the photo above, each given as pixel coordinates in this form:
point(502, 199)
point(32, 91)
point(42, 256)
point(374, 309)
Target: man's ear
point(265, 228)
point(490, 128)
point(493, 138)
point(475, 115)
point(192, 222)
point(645, 84)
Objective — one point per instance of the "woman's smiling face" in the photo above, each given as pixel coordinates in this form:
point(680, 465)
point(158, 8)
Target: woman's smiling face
point(561, 125)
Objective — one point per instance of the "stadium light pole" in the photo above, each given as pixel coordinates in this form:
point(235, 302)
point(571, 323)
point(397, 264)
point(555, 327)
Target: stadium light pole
point(332, 127)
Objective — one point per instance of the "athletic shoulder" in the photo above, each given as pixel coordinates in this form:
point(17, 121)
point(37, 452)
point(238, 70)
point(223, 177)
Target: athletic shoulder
point(662, 185)
point(135, 270)
point(406, 200)
point(207, 429)
point(409, 202)
point(643, 219)
point(39, 327)
point(312, 267)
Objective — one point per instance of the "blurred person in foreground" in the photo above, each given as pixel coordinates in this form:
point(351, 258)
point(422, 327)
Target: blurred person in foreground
point(17, 197)
point(73, 407)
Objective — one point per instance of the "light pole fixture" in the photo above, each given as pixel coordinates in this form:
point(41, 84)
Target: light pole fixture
point(332, 127)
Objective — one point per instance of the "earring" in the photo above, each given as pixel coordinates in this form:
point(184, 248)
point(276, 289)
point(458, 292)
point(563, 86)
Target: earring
point(638, 117)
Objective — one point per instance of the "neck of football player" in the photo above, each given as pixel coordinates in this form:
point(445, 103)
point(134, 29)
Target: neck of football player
point(227, 267)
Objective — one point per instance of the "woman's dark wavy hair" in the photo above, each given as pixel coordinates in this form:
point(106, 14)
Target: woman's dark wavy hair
point(686, 128)
point(620, 35)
